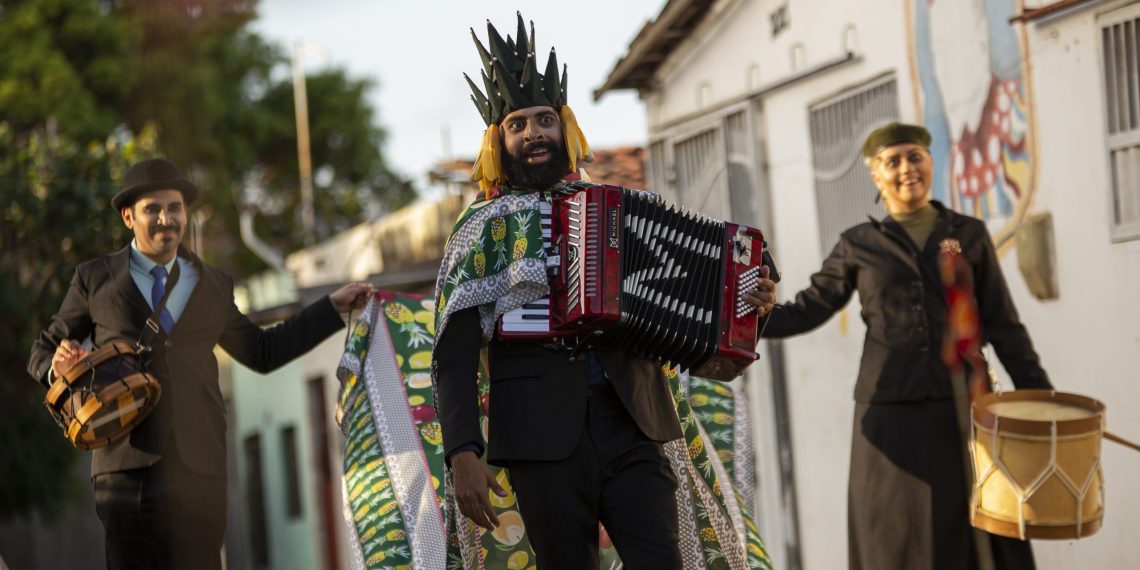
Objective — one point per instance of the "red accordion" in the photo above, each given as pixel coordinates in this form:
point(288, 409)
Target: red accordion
point(667, 285)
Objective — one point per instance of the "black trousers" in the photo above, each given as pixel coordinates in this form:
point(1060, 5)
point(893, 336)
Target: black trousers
point(617, 476)
point(163, 516)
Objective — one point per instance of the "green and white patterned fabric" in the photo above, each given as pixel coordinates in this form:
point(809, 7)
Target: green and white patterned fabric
point(494, 260)
point(717, 529)
point(393, 456)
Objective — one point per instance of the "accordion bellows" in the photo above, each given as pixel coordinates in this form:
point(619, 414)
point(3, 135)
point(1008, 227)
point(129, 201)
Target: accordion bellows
point(629, 269)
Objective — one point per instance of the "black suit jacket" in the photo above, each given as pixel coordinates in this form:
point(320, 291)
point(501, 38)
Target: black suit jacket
point(538, 397)
point(904, 307)
point(104, 302)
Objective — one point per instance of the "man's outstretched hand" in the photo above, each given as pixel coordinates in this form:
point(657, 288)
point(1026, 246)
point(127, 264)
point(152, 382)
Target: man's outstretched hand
point(472, 480)
point(352, 296)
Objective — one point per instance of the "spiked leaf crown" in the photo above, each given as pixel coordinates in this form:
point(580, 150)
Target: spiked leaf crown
point(511, 78)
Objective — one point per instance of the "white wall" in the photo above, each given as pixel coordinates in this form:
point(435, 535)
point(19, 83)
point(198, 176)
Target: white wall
point(1089, 339)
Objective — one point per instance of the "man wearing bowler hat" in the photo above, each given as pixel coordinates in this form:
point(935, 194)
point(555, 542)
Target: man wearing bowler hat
point(161, 491)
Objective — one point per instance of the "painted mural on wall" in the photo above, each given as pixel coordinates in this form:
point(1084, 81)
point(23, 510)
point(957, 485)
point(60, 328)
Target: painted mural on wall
point(972, 92)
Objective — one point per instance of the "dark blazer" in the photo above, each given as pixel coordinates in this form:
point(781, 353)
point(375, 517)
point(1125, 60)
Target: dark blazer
point(538, 398)
point(104, 302)
point(904, 307)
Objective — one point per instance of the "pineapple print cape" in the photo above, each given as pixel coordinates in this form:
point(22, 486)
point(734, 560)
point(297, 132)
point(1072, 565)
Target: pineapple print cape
point(393, 446)
point(398, 504)
point(715, 468)
point(494, 258)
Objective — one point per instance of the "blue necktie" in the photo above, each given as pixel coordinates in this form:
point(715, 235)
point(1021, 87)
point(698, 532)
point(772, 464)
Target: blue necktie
point(157, 291)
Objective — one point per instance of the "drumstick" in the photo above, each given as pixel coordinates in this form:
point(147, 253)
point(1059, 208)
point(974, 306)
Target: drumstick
point(1121, 440)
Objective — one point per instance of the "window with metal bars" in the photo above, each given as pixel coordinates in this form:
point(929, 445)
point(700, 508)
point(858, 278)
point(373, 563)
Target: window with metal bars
point(699, 165)
point(659, 179)
point(711, 168)
point(845, 195)
point(1120, 43)
point(742, 183)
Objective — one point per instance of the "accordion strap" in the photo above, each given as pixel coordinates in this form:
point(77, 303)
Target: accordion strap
point(583, 343)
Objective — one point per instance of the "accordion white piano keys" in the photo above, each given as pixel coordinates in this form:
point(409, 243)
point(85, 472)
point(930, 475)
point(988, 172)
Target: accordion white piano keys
point(534, 317)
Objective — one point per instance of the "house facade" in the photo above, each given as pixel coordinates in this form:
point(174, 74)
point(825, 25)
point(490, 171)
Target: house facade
point(756, 112)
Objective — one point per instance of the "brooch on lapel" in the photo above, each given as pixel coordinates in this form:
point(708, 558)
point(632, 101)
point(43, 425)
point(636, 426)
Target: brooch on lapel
point(950, 246)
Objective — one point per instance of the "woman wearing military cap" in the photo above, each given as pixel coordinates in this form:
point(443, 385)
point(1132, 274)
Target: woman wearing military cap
point(907, 495)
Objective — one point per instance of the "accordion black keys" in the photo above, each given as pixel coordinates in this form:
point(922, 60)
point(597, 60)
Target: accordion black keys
point(667, 285)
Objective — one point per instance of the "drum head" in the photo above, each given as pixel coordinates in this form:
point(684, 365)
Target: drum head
point(1035, 412)
point(113, 412)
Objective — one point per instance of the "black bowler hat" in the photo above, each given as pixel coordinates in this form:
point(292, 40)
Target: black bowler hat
point(892, 134)
point(150, 175)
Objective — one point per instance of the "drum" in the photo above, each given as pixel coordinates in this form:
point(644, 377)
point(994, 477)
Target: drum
point(101, 398)
point(1037, 470)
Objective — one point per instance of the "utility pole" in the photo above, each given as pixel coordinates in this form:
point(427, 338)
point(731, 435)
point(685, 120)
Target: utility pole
point(304, 159)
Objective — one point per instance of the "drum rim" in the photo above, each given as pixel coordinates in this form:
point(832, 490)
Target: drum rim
point(984, 418)
point(979, 519)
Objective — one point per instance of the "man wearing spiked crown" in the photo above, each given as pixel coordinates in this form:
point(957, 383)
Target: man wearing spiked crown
point(580, 434)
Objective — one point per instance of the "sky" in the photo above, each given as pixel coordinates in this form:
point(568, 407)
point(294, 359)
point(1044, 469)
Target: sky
point(417, 51)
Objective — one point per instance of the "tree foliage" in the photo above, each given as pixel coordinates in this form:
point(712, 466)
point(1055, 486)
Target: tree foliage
point(67, 60)
point(223, 99)
point(344, 140)
point(77, 79)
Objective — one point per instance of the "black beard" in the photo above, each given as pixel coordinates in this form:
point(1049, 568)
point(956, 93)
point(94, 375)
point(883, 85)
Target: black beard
point(540, 176)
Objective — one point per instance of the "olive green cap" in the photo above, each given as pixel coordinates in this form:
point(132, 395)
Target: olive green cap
point(895, 133)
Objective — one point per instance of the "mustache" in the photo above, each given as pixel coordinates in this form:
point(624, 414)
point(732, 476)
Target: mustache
point(539, 145)
point(155, 228)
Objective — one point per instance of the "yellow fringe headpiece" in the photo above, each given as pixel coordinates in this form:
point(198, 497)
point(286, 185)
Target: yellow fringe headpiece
point(572, 137)
point(488, 168)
